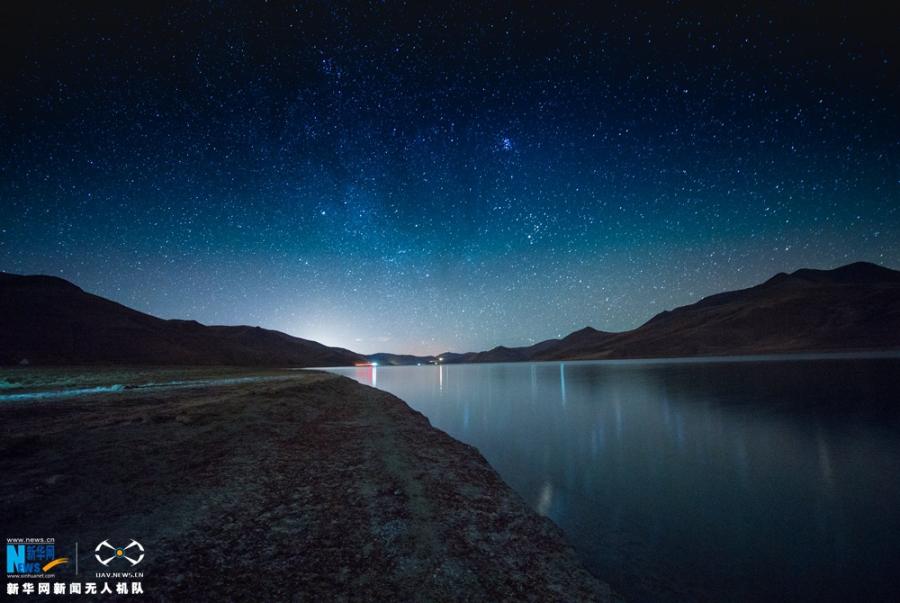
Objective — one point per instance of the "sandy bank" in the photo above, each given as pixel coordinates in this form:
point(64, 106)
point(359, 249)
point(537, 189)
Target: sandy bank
point(310, 488)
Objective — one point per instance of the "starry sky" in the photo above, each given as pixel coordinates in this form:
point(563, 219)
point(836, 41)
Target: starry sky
point(423, 177)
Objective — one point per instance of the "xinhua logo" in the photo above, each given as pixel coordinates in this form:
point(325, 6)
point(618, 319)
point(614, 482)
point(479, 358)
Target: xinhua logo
point(32, 558)
point(106, 553)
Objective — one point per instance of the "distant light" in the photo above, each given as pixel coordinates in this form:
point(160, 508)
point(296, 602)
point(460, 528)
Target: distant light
point(374, 364)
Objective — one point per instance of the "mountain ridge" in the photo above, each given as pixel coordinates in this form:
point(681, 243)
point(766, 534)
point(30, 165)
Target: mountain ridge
point(851, 307)
point(49, 320)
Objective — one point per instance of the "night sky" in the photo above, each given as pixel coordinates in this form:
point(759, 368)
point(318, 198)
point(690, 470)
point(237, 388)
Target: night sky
point(419, 178)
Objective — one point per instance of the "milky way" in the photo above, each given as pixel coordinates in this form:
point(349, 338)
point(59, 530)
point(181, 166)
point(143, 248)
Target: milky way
point(406, 177)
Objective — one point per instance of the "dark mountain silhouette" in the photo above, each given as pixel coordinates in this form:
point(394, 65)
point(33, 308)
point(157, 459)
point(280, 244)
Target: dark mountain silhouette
point(854, 307)
point(47, 320)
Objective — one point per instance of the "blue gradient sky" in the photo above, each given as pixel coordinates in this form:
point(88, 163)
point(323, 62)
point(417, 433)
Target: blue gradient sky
point(422, 178)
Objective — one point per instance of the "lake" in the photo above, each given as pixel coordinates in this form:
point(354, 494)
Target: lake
point(724, 479)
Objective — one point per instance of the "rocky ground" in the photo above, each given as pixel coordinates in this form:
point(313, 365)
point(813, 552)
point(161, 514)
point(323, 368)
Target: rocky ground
point(307, 488)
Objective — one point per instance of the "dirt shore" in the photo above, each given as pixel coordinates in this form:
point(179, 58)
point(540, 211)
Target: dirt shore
point(307, 488)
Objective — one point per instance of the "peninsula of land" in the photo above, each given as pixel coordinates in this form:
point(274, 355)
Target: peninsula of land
point(272, 486)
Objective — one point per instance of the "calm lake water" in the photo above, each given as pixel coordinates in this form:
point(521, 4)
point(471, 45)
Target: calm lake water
point(694, 480)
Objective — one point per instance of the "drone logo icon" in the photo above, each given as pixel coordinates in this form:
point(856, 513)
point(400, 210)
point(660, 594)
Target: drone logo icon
point(119, 552)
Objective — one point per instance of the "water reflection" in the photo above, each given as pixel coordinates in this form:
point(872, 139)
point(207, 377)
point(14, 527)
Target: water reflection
point(366, 373)
point(562, 382)
point(691, 480)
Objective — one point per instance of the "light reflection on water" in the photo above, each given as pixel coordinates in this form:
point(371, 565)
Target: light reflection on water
point(711, 480)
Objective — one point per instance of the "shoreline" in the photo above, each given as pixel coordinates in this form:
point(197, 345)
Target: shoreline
point(303, 488)
point(864, 353)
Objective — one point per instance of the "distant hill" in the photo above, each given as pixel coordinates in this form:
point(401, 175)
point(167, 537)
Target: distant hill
point(387, 359)
point(47, 320)
point(854, 307)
